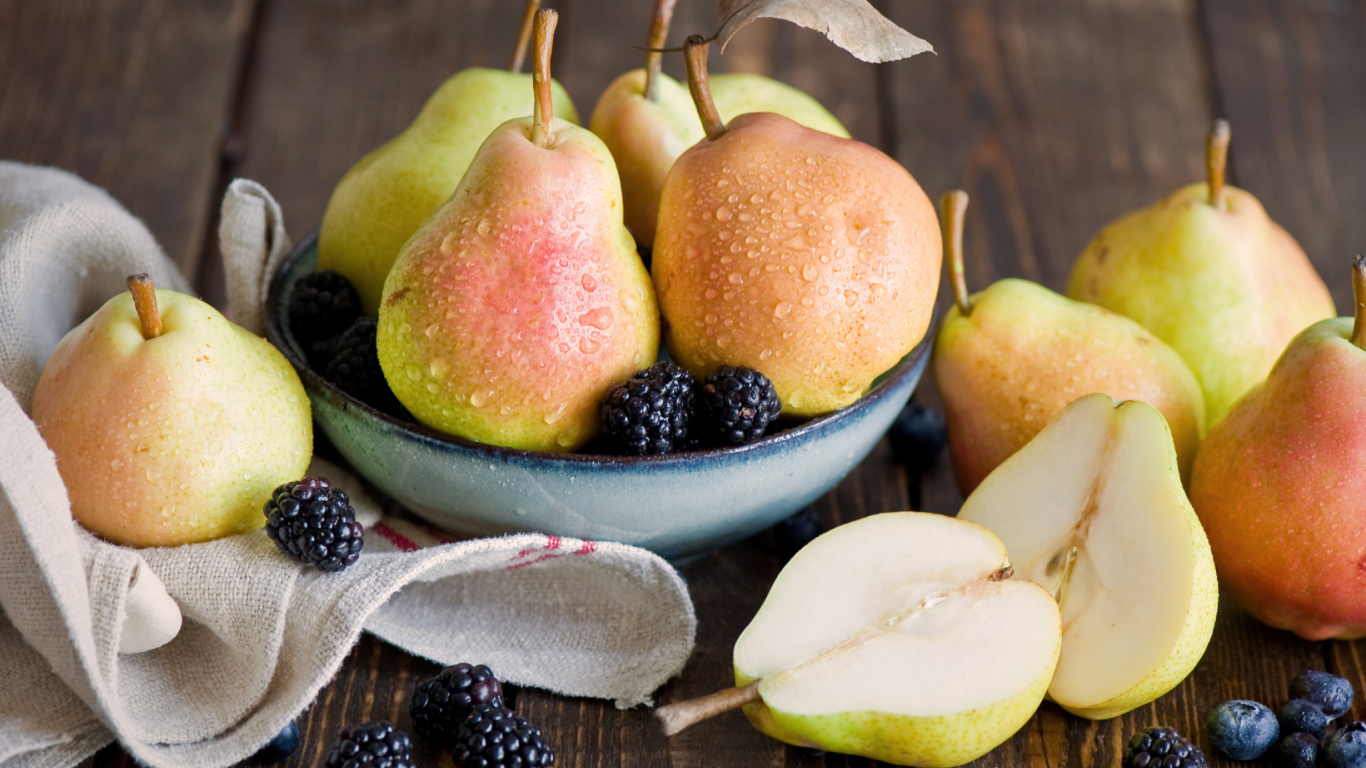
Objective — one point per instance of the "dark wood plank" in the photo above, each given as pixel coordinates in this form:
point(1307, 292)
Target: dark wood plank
point(133, 97)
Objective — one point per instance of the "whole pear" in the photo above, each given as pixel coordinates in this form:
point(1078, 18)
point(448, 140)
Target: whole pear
point(384, 198)
point(170, 424)
point(1280, 484)
point(513, 310)
point(738, 93)
point(809, 257)
point(1207, 271)
point(1009, 358)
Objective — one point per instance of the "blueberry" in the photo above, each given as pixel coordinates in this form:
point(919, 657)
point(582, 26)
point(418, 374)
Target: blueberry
point(1346, 748)
point(797, 531)
point(1333, 694)
point(1304, 716)
point(1298, 750)
point(1241, 729)
point(282, 746)
point(917, 436)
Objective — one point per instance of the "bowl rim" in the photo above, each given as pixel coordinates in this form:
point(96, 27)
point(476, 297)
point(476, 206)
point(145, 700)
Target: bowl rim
point(886, 382)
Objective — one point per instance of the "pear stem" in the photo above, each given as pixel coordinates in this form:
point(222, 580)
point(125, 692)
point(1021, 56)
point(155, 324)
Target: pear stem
point(542, 128)
point(524, 36)
point(676, 717)
point(952, 207)
point(654, 56)
point(700, 87)
point(1216, 161)
point(1359, 294)
point(145, 302)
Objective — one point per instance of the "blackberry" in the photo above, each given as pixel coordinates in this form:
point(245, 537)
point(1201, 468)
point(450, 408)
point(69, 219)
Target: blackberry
point(1297, 750)
point(1346, 748)
point(321, 305)
point(355, 368)
point(1164, 747)
point(493, 737)
point(376, 744)
point(1333, 694)
point(918, 435)
point(441, 702)
point(314, 524)
point(1241, 729)
point(651, 411)
point(283, 745)
point(739, 404)
point(1303, 716)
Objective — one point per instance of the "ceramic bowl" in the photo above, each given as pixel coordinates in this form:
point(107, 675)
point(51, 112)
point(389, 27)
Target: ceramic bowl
point(676, 505)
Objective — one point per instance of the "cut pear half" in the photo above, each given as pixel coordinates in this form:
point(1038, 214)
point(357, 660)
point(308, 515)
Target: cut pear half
point(901, 637)
point(1093, 510)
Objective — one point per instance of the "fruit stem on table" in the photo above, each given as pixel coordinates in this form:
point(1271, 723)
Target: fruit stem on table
point(1216, 161)
point(524, 36)
point(1359, 296)
point(542, 129)
point(952, 207)
point(676, 717)
point(700, 87)
point(145, 301)
point(654, 56)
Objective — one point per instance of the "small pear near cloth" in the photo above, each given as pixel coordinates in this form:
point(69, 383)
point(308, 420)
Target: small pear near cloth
point(234, 640)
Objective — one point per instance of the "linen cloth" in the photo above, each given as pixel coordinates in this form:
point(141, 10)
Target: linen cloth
point(240, 639)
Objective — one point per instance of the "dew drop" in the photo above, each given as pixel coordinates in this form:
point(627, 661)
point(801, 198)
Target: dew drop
point(479, 398)
point(782, 310)
point(878, 289)
point(432, 330)
point(723, 213)
point(589, 283)
point(589, 346)
point(810, 273)
point(600, 318)
point(412, 372)
point(735, 278)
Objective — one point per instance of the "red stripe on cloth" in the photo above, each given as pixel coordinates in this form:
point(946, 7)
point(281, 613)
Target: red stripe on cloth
point(394, 537)
point(552, 542)
point(587, 548)
point(541, 559)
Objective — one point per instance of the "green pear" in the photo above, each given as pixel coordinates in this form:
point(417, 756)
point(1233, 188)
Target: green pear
point(386, 196)
point(811, 258)
point(739, 93)
point(170, 424)
point(1093, 510)
point(522, 300)
point(1207, 271)
point(1009, 358)
point(900, 637)
point(1279, 484)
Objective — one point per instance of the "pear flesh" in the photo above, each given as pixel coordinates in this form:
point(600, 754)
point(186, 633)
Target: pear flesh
point(899, 637)
point(1093, 510)
point(514, 309)
point(385, 197)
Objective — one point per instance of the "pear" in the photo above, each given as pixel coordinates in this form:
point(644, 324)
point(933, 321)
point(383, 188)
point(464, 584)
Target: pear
point(170, 424)
point(1093, 510)
point(513, 310)
point(900, 637)
point(1207, 271)
point(811, 258)
point(1280, 481)
point(384, 198)
point(647, 120)
point(1009, 358)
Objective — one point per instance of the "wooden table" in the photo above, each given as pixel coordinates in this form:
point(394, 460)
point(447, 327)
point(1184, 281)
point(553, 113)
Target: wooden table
point(1055, 116)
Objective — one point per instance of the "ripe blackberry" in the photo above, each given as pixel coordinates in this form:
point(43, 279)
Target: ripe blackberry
point(321, 305)
point(1346, 748)
point(651, 411)
point(314, 524)
point(1333, 694)
point(1162, 747)
point(739, 404)
point(1297, 750)
point(1242, 729)
point(355, 368)
point(493, 737)
point(376, 744)
point(440, 703)
point(1303, 716)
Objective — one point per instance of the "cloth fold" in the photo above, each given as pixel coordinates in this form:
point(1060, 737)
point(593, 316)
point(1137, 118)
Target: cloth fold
point(259, 635)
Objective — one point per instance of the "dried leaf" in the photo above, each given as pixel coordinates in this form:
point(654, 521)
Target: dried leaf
point(854, 25)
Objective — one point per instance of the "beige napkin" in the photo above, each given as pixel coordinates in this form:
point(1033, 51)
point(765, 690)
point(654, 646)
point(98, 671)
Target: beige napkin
point(260, 635)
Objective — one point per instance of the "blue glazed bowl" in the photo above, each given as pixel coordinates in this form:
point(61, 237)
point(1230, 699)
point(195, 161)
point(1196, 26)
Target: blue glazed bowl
point(676, 505)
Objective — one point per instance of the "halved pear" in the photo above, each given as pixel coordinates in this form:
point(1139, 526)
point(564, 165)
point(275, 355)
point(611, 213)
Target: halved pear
point(1093, 510)
point(900, 637)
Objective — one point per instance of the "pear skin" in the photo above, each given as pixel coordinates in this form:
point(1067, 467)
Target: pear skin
point(386, 196)
point(738, 93)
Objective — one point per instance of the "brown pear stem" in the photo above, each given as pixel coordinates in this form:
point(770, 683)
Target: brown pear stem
point(524, 36)
point(1359, 294)
point(700, 87)
point(542, 128)
point(676, 717)
point(1216, 161)
point(145, 302)
point(654, 55)
point(952, 207)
